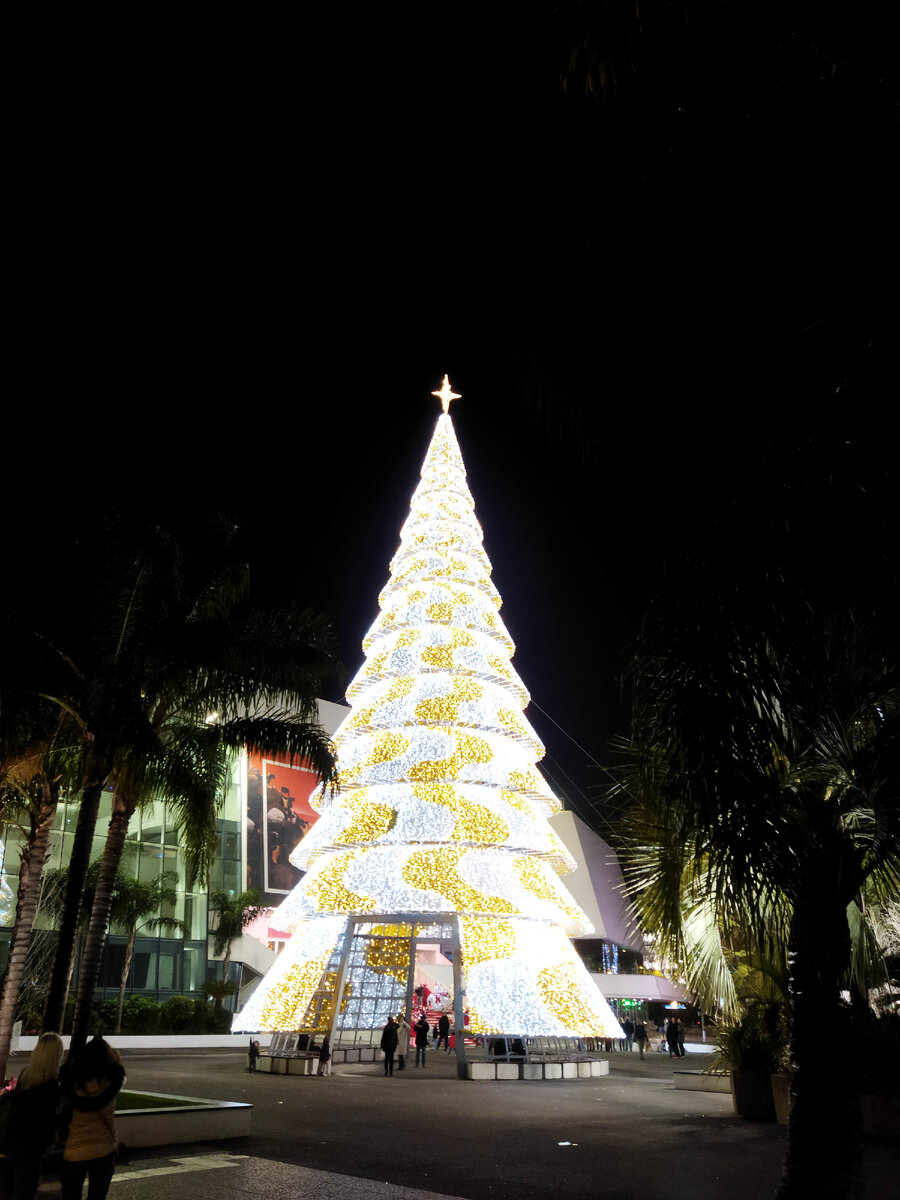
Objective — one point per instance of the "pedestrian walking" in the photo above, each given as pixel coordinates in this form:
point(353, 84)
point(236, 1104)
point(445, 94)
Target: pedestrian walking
point(422, 1029)
point(253, 1055)
point(628, 1030)
point(389, 1045)
point(679, 1034)
point(640, 1036)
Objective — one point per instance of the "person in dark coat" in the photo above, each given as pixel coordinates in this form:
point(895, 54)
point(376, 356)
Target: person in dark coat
point(325, 1057)
point(253, 1055)
point(422, 1029)
point(640, 1036)
point(679, 1036)
point(672, 1039)
point(31, 1124)
point(389, 1045)
point(443, 1029)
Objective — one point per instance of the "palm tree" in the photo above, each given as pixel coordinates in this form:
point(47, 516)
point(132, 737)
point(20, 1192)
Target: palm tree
point(219, 990)
point(196, 676)
point(233, 915)
point(162, 641)
point(134, 904)
point(37, 754)
point(762, 773)
point(39, 787)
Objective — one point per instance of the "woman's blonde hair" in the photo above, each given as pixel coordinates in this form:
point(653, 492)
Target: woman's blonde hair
point(44, 1062)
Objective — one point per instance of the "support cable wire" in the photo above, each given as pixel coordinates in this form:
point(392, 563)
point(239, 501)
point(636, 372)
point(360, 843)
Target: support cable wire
point(596, 815)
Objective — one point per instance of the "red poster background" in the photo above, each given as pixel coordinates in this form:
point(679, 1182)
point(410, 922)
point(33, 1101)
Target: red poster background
point(278, 815)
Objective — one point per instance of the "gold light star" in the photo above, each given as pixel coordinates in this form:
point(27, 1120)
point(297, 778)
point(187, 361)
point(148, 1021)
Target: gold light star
point(446, 394)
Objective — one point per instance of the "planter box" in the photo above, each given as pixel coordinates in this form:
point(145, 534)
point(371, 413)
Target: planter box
point(507, 1070)
point(203, 1121)
point(880, 1116)
point(699, 1081)
point(781, 1095)
point(751, 1092)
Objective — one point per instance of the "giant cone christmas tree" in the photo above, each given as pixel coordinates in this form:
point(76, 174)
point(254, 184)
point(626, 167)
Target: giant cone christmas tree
point(440, 818)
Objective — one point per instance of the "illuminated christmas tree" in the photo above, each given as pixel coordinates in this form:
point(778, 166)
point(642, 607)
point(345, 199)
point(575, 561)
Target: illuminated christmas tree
point(438, 829)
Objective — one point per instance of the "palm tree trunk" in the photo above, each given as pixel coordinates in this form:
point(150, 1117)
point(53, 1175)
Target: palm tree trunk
point(34, 855)
point(95, 773)
point(122, 810)
point(824, 1157)
point(129, 955)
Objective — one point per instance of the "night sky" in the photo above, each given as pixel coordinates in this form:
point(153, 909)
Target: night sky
point(245, 246)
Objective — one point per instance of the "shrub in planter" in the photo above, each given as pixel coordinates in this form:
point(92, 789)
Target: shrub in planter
point(140, 1015)
point(203, 1019)
point(107, 1015)
point(177, 1014)
point(753, 1049)
point(876, 1048)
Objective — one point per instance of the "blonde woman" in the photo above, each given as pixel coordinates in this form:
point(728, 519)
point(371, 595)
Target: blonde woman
point(31, 1126)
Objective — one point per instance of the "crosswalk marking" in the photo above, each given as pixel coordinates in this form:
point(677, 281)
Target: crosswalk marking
point(197, 1162)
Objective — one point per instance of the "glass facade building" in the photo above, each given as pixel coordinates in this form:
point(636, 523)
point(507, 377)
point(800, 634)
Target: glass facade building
point(165, 964)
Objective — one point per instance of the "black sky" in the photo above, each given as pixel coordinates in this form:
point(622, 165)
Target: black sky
point(243, 247)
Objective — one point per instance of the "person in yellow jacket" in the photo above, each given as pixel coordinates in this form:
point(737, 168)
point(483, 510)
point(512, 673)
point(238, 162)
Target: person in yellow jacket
point(90, 1082)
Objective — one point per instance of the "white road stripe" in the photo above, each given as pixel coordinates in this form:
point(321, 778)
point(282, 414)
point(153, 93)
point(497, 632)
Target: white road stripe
point(198, 1162)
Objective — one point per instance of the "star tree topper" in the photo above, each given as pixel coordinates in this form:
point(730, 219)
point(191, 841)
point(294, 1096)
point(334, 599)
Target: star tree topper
point(446, 394)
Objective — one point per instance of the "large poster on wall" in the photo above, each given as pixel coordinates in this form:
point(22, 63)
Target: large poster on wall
point(278, 815)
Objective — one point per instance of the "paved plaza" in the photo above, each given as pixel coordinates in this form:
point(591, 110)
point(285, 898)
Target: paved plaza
point(423, 1133)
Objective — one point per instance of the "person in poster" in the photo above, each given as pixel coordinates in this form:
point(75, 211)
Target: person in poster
point(278, 815)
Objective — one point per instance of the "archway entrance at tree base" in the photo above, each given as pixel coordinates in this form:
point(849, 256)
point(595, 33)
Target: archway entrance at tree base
point(385, 967)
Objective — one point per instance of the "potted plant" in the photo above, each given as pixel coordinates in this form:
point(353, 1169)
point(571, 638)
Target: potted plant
point(754, 1049)
point(877, 1053)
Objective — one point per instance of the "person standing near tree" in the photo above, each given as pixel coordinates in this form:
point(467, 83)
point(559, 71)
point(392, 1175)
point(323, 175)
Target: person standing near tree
point(443, 1029)
point(672, 1038)
point(325, 1057)
point(90, 1082)
point(422, 1031)
point(389, 1045)
point(30, 1123)
point(402, 1040)
point(679, 1034)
